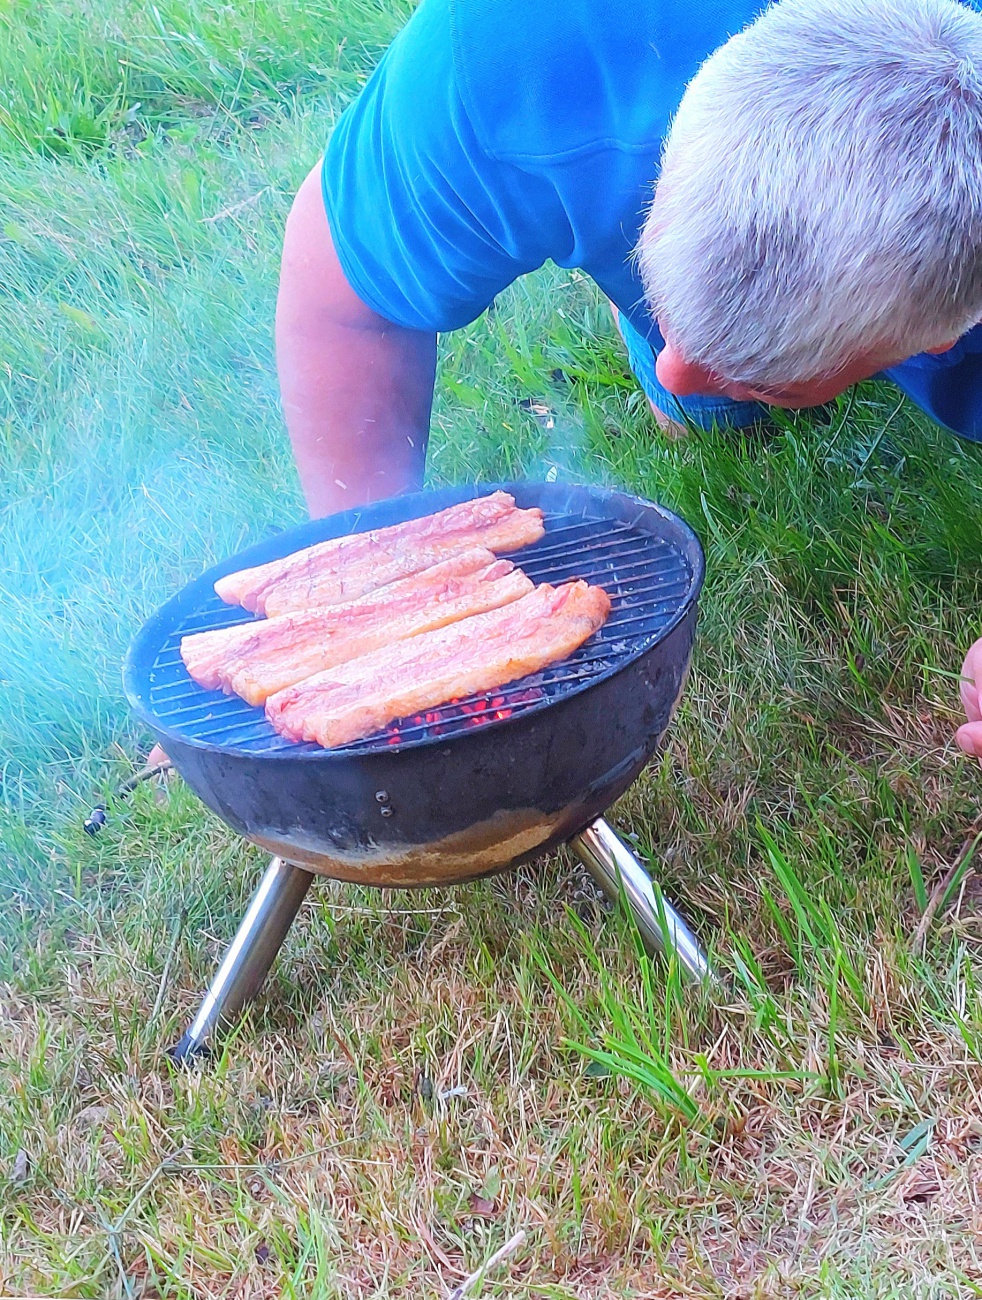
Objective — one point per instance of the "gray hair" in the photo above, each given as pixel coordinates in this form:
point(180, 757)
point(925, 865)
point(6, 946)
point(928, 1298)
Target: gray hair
point(821, 191)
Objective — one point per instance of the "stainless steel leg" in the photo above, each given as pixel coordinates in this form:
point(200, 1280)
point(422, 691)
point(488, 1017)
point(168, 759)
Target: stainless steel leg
point(250, 954)
point(615, 868)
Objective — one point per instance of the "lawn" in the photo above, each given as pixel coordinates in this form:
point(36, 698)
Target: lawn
point(411, 1089)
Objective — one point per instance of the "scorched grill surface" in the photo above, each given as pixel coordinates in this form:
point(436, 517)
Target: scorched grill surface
point(647, 578)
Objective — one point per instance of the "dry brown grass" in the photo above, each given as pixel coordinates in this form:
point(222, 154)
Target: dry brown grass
point(401, 1102)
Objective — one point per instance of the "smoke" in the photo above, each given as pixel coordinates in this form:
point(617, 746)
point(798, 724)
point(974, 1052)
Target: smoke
point(140, 430)
point(566, 455)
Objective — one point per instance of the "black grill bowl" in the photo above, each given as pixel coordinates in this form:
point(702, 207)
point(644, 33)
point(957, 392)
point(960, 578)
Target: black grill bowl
point(425, 804)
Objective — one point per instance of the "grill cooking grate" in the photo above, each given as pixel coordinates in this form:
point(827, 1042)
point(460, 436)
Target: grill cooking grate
point(646, 578)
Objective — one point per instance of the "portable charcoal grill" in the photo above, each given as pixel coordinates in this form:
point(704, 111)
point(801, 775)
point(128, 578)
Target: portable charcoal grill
point(462, 791)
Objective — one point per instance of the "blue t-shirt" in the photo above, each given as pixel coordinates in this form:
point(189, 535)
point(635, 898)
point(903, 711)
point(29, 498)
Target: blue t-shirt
point(495, 135)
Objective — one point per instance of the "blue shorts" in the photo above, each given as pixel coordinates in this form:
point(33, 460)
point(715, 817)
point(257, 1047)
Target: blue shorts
point(703, 412)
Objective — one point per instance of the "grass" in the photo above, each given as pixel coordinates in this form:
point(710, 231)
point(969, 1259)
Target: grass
point(428, 1073)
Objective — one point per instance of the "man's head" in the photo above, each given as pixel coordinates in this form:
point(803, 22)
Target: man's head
point(819, 211)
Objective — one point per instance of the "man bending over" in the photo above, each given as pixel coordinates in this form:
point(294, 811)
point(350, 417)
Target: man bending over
point(772, 222)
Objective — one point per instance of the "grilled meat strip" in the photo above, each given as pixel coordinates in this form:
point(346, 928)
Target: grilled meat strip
point(287, 649)
point(347, 567)
point(206, 654)
point(479, 654)
point(384, 565)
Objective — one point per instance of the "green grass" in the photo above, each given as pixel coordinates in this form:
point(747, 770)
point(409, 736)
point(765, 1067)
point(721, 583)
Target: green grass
point(812, 1130)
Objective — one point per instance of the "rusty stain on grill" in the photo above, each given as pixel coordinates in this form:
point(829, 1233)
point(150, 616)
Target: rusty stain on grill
point(470, 854)
point(644, 575)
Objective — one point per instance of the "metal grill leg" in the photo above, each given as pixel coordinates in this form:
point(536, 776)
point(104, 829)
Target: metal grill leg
point(249, 956)
point(615, 868)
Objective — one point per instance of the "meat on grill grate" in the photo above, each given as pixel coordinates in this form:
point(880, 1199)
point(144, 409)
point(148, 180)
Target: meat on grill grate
point(260, 658)
point(347, 567)
point(646, 576)
point(479, 654)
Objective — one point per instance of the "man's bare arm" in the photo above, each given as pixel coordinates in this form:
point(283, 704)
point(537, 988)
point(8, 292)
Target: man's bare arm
point(356, 389)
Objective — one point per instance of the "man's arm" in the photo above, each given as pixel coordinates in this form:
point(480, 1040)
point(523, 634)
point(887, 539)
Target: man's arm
point(356, 389)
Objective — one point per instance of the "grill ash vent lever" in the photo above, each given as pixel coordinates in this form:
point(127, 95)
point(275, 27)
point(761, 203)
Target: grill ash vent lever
point(157, 763)
point(284, 887)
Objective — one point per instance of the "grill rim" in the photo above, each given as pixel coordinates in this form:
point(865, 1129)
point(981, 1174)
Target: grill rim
point(613, 505)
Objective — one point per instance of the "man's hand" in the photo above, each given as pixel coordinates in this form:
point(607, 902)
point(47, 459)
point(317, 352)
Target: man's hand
point(356, 389)
point(969, 737)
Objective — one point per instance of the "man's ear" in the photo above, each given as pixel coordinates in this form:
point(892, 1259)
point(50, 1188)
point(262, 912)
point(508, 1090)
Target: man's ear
point(681, 377)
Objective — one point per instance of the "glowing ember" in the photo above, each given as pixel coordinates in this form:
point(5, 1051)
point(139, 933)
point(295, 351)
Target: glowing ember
point(472, 712)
